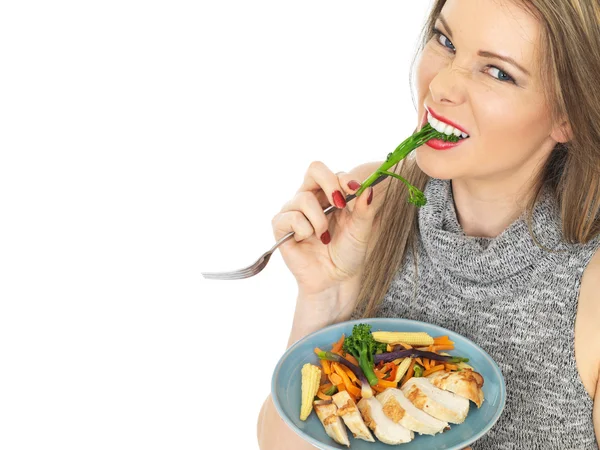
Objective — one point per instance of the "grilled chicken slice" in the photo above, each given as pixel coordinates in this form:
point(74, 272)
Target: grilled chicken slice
point(384, 428)
point(442, 405)
point(400, 410)
point(348, 411)
point(465, 383)
point(334, 427)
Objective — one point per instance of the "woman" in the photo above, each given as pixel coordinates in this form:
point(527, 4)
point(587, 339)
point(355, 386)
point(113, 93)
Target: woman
point(505, 250)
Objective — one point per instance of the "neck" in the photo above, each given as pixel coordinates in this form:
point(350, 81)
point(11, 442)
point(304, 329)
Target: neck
point(485, 208)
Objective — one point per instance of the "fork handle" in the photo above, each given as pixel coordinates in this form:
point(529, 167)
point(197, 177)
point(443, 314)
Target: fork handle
point(327, 211)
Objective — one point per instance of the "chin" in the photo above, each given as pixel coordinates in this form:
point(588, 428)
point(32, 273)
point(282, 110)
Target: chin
point(432, 165)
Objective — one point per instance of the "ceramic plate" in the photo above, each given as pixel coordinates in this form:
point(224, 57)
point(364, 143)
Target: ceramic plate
point(286, 388)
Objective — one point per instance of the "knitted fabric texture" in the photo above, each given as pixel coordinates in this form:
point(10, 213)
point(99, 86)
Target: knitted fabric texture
point(518, 302)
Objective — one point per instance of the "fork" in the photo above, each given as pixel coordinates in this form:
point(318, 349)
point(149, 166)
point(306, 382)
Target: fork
point(262, 261)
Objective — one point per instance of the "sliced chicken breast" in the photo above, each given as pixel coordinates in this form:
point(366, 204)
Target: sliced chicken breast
point(349, 412)
point(465, 383)
point(384, 428)
point(400, 410)
point(442, 405)
point(334, 427)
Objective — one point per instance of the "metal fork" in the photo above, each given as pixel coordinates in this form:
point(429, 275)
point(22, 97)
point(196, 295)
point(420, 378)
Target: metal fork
point(261, 262)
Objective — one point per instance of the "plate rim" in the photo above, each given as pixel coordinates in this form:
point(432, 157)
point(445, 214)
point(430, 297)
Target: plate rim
point(370, 321)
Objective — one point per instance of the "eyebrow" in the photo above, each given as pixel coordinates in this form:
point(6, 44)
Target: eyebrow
point(485, 53)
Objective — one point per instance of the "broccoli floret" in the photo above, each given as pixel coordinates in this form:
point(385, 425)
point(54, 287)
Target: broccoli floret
point(362, 346)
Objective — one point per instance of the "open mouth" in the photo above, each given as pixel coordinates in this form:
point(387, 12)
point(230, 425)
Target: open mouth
point(442, 126)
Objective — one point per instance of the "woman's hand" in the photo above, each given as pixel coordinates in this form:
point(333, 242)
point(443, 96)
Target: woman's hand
point(328, 250)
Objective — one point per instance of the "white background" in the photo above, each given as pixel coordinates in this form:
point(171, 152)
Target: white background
point(142, 142)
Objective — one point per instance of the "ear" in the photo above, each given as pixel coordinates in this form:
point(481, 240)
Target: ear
point(562, 133)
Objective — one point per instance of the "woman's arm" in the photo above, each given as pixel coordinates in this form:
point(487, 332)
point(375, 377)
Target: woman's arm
point(597, 410)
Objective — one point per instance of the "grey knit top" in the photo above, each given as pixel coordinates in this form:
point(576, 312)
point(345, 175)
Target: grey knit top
point(518, 302)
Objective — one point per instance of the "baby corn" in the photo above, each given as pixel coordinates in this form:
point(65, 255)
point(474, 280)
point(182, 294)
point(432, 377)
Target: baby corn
point(395, 337)
point(311, 377)
point(402, 368)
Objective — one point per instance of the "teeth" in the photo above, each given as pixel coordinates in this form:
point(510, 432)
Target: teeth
point(444, 127)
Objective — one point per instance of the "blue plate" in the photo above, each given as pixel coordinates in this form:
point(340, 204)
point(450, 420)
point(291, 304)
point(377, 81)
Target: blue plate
point(286, 388)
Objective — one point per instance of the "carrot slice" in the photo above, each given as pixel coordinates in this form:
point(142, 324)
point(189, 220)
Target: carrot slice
point(438, 348)
point(353, 390)
point(323, 396)
point(409, 373)
point(387, 384)
point(426, 363)
point(326, 366)
point(335, 378)
point(432, 370)
point(338, 345)
point(350, 374)
point(451, 366)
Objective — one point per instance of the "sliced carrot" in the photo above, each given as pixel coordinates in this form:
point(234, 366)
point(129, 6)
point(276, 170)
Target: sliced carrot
point(338, 345)
point(350, 374)
point(440, 340)
point(387, 384)
point(432, 363)
point(340, 387)
point(326, 366)
point(432, 370)
point(419, 361)
point(438, 348)
point(317, 350)
point(335, 378)
point(426, 363)
point(379, 374)
point(323, 396)
point(378, 388)
point(353, 390)
point(325, 386)
point(409, 373)
point(451, 366)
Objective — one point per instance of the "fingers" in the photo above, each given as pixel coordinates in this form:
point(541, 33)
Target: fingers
point(319, 177)
point(303, 209)
point(294, 221)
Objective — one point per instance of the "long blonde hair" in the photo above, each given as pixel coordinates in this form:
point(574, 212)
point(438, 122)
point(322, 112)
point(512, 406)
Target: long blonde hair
point(570, 50)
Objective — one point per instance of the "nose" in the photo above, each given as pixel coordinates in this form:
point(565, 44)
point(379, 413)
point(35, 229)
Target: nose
point(448, 85)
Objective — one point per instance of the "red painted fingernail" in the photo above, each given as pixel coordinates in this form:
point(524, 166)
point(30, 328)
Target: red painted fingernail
point(370, 197)
point(354, 185)
point(338, 199)
point(326, 238)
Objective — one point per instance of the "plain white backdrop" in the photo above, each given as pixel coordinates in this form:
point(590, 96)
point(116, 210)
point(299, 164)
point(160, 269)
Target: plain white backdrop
point(141, 143)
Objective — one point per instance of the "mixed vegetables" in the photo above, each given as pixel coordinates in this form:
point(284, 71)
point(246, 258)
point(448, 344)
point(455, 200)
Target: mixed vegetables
point(367, 363)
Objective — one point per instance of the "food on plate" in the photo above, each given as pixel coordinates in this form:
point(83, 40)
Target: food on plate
point(311, 378)
point(442, 405)
point(401, 410)
point(465, 383)
point(385, 429)
point(349, 412)
point(334, 427)
point(394, 383)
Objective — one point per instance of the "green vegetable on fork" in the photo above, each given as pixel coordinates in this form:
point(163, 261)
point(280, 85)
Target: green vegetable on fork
point(415, 196)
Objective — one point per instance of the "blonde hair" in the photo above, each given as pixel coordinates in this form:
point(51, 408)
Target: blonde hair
point(569, 50)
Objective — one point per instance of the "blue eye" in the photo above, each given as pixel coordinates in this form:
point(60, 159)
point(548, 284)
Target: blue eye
point(506, 76)
point(451, 47)
point(443, 37)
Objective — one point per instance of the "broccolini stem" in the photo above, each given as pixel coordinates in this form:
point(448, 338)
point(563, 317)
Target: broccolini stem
point(402, 151)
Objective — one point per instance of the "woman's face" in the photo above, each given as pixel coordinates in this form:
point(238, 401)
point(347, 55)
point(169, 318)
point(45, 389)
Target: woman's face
point(499, 104)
